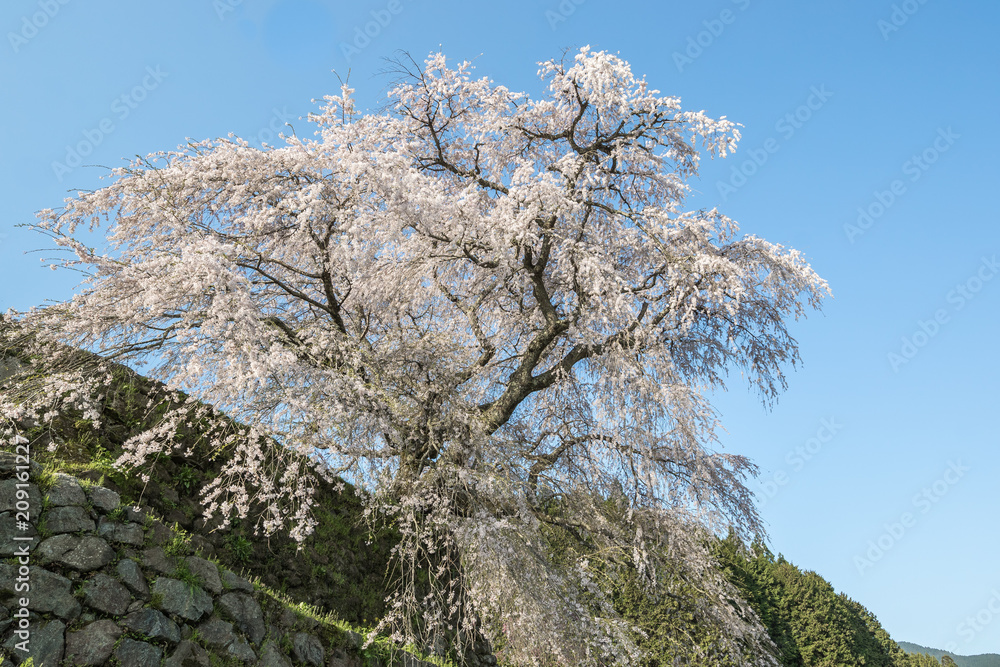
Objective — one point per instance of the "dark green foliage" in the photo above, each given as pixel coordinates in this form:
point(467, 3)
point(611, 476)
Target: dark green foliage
point(811, 624)
point(342, 567)
point(676, 631)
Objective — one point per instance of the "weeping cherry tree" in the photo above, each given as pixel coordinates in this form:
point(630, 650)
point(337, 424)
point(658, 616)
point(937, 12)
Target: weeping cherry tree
point(493, 313)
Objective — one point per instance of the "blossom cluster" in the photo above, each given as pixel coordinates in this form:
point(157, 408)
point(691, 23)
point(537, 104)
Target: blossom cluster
point(487, 310)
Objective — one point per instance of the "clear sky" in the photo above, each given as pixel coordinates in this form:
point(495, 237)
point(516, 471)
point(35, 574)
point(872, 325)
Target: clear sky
point(866, 145)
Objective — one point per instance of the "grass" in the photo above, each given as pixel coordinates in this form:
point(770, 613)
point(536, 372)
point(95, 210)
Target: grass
point(240, 548)
point(179, 544)
point(183, 573)
point(341, 563)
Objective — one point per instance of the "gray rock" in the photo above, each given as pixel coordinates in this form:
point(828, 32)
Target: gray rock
point(11, 465)
point(137, 515)
point(177, 518)
point(207, 573)
point(66, 492)
point(79, 553)
point(152, 624)
point(92, 644)
point(184, 600)
point(155, 559)
point(10, 496)
point(245, 613)
point(132, 653)
point(50, 593)
point(9, 529)
point(240, 650)
point(342, 658)
point(104, 593)
point(216, 632)
point(188, 654)
point(46, 644)
point(287, 617)
point(308, 649)
point(104, 499)
point(159, 534)
point(131, 575)
point(202, 546)
point(70, 519)
point(8, 460)
point(123, 533)
point(271, 656)
point(234, 582)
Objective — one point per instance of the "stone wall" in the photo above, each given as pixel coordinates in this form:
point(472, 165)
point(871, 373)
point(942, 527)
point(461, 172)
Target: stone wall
point(109, 584)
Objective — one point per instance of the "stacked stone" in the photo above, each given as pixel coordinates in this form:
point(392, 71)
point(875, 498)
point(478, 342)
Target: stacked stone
point(104, 591)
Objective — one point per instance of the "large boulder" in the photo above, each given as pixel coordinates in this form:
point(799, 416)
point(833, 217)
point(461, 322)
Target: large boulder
point(132, 653)
point(307, 649)
point(46, 645)
point(16, 536)
point(104, 593)
point(131, 575)
point(70, 519)
point(50, 593)
point(104, 499)
point(13, 492)
point(182, 599)
point(245, 613)
point(152, 624)
point(92, 644)
point(206, 571)
point(123, 533)
point(66, 491)
point(79, 553)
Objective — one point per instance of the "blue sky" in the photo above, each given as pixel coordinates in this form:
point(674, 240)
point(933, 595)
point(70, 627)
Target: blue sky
point(866, 145)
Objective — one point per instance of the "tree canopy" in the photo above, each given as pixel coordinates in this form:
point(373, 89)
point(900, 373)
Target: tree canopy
point(493, 312)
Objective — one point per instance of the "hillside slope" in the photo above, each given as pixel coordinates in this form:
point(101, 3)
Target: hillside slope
point(342, 571)
point(808, 620)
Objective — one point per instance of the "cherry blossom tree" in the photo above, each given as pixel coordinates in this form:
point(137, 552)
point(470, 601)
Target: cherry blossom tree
point(492, 312)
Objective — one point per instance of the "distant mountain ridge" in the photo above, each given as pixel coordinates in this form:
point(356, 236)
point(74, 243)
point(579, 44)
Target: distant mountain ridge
point(982, 660)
